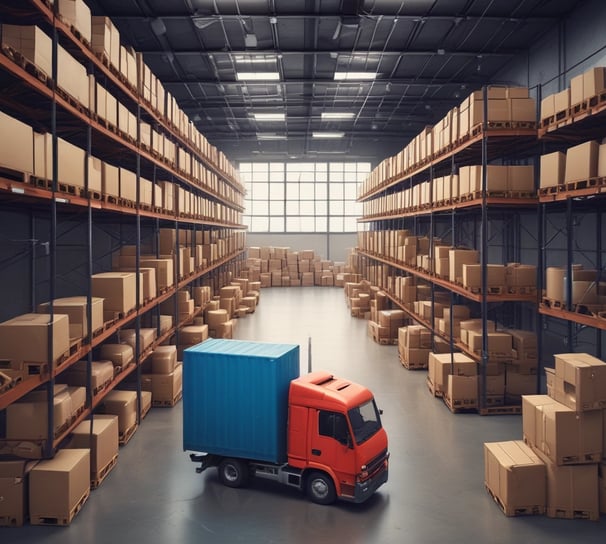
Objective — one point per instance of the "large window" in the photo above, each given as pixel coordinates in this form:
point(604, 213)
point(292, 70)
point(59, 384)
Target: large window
point(302, 196)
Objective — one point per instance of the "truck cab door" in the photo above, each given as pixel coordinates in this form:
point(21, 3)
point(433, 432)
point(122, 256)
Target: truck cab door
point(331, 444)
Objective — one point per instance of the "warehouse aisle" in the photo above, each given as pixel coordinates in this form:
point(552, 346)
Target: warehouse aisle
point(435, 492)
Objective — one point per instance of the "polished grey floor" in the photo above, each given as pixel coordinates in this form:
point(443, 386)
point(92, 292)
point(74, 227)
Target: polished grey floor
point(435, 492)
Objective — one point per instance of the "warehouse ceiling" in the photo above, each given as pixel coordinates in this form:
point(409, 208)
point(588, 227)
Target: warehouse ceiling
point(405, 64)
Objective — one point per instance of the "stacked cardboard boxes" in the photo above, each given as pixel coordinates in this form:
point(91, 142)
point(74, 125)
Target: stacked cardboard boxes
point(165, 380)
point(414, 346)
point(454, 377)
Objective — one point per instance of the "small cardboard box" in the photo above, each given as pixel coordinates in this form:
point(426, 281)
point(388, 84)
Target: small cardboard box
point(457, 258)
point(25, 339)
point(164, 387)
point(499, 343)
point(122, 404)
point(193, 334)
point(516, 476)
point(117, 288)
point(441, 365)
point(580, 381)
point(119, 354)
point(76, 310)
point(148, 283)
point(572, 491)
point(102, 372)
point(57, 486)
point(462, 391)
point(14, 483)
point(164, 271)
point(101, 438)
point(164, 359)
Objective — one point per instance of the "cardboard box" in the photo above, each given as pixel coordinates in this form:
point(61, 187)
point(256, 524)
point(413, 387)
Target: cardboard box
point(548, 107)
point(77, 14)
point(121, 355)
point(576, 90)
point(102, 372)
point(560, 434)
point(193, 334)
point(441, 365)
point(499, 343)
point(472, 276)
point(101, 438)
point(572, 491)
point(110, 178)
point(165, 388)
point(581, 162)
point(57, 486)
point(164, 271)
point(146, 337)
point(561, 101)
point(553, 169)
point(594, 82)
point(148, 283)
point(414, 336)
point(24, 339)
point(164, 359)
point(516, 476)
point(14, 483)
point(76, 310)
point(414, 357)
point(462, 392)
point(32, 43)
point(520, 275)
point(518, 384)
point(122, 404)
point(16, 144)
point(580, 381)
point(118, 289)
point(457, 258)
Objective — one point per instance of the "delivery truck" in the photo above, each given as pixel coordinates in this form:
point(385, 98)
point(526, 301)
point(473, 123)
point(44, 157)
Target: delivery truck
point(247, 412)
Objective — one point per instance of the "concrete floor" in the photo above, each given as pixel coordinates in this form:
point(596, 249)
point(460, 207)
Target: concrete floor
point(435, 492)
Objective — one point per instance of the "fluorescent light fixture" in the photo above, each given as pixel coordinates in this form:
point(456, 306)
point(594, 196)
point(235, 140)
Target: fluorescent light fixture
point(328, 115)
point(257, 76)
point(250, 40)
point(269, 116)
point(62, 200)
point(327, 135)
point(342, 76)
point(270, 136)
point(255, 59)
point(18, 190)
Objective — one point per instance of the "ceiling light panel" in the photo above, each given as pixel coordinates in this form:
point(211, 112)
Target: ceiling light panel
point(337, 115)
point(348, 76)
point(269, 116)
point(327, 135)
point(257, 76)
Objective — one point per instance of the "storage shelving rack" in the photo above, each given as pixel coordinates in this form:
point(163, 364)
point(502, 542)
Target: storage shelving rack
point(483, 144)
point(562, 209)
point(74, 221)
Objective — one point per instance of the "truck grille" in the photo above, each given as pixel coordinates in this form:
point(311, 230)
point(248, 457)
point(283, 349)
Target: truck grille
point(377, 463)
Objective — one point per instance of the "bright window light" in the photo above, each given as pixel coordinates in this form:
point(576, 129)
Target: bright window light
point(327, 135)
point(269, 116)
point(340, 76)
point(257, 76)
point(328, 115)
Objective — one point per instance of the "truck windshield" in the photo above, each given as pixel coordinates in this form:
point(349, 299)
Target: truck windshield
point(365, 421)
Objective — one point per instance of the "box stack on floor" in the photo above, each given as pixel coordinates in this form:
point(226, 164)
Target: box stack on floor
point(558, 469)
point(282, 267)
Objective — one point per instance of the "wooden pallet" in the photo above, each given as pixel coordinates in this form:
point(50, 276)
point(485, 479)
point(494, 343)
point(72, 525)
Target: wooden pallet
point(561, 513)
point(14, 175)
point(552, 303)
point(500, 410)
point(407, 365)
point(522, 289)
point(99, 476)
point(460, 406)
point(534, 510)
point(18, 58)
point(124, 438)
point(63, 521)
point(8, 382)
point(168, 403)
point(491, 290)
point(432, 388)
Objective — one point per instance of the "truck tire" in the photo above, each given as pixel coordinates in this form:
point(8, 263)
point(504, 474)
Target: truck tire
point(320, 488)
point(233, 473)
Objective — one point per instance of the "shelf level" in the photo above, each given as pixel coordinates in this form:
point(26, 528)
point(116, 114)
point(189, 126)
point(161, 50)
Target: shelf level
point(575, 317)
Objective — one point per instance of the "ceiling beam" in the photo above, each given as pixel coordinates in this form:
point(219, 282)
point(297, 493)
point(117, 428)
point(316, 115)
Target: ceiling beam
point(409, 82)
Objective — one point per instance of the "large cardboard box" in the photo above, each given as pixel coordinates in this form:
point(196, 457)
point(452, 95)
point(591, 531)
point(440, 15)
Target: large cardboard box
point(457, 258)
point(148, 284)
point(165, 388)
point(472, 276)
point(77, 14)
point(516, 477)
point(76, 310)
point(16, 144)
point(57, 486)
point(572, 491)
point(110, 180)
point(164, 359)
point(24, 339)
point(32, 43)
point(499, 343)
point(441, 365)
point(14, 481)
point(117, 288)
point(580, 381)
point(122, 404)
point(100, 436)
point(164, 271)
point(193, 334)
point(594, 81)
point(582, 162)
point(553, 168)
point(462, 392)
point(102, 373)
point(559, 433)
point(121, 355)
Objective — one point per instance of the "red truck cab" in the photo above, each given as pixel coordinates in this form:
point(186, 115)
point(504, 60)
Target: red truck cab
point(335, 437)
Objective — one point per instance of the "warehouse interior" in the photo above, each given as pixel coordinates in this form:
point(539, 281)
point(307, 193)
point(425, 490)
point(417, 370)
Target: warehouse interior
point(410, 191)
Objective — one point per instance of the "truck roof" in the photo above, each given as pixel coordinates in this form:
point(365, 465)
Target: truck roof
point(325, 390)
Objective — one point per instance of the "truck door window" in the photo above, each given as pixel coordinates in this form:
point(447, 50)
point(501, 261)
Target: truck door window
point(365, 421)
point(334, 425)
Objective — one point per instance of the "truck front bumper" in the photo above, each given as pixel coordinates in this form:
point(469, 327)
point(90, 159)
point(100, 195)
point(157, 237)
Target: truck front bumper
point(365, 489)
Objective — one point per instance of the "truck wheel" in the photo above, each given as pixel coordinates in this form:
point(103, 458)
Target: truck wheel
point(233, 473)
point(320, 488)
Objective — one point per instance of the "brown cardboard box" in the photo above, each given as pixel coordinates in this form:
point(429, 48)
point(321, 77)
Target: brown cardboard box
point(32, 43)
point(572, 491)
point(57, 486)
point(550, 381)
point(524, 343)
point(193, 334)
point(414, 357)
point(164, 271)
point(414, 336)
point(146, 337)
point(164, 359)
point(576, 90)
point(117, 288)
point(580, 381)
point(16, 144)
point(76, 310)
point(121, 355)
point(128, 185)
point(548, 107)
point(516, 476)
point(441, 365)
point(458, 257)
point(561, 101)
point(499, 343)
point(462, 391)
point(122, 404)
point(110, 177)
point(594, 81)
point(25, 339)
point(553, 168)
point(148, 283)
point(165, 388)
point(14, 482)
point(102, 372)
point(77, 14)
point(560, 434)
point(520, 275)
point(472, 275)
point(101, 439)
point(582, 162)
point(518, 384)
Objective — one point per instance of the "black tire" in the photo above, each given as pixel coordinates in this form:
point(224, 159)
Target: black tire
point(320, 488)
point(233, 473)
